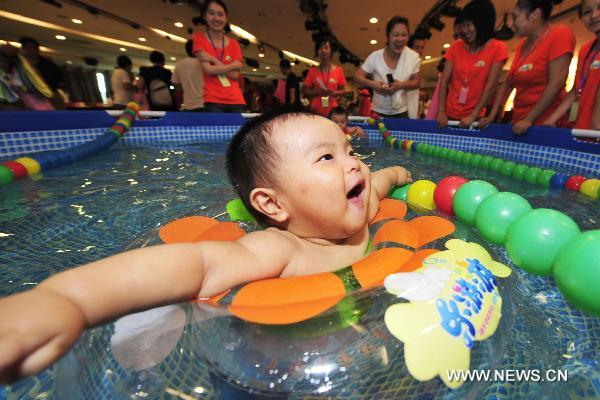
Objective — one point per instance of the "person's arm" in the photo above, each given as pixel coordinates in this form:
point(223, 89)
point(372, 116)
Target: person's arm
point(596, 113)
point(442, 117)
point(360, 77)
point(356, 131)
point(490, 83)
point(557, 75)
point(384, 179)
point(413, 82)
point(40, 325)
point(501, 97)
point(563, 107)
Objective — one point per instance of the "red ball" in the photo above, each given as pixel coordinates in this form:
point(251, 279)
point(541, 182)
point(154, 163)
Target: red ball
point(119, 129)
point(574, 182)
point(444, 193)
point(374, 115)
point(17, 169)
point(404, 144)
point(386, 134)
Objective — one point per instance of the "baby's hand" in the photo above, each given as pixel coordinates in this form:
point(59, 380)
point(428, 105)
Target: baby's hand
point(37, 327)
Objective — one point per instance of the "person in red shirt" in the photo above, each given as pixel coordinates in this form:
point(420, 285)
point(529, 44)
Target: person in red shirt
point(473, 66)
point(221, 59)
point(539, 69)
point(325, 83)
point(583, 101)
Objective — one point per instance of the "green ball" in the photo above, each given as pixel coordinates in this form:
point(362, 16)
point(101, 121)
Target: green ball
point(436, 151)
point(507, 168)
point(519, 171)
point(6, 175)
point(451, 154)
point(399, 192)
point(476, 160)
point(531, 175)
point(444, 152)
point(468, 197)
point(467, 158)
point(496, 164)
point(534, 240)
point(577, 271)
point(497, 212)
point(543, 178)
point(486, 161)
point(459, 156)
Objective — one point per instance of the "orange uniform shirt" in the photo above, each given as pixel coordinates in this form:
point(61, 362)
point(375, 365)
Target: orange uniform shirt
point(587, 98)
point(530, 75)
point(469, 75)
point(214, 91)
point(332, 79)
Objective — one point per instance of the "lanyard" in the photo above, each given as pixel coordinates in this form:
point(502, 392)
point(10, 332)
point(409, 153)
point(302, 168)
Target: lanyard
point(521, 61)
point(587, 70)
point(325, 81)
point(215, 47)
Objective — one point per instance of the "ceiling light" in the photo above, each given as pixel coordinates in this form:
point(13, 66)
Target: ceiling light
point(446, 45)
point(76, 21)
point(373, 20)
point(292, 64)
point(61, 37)
point(169, 36)
point(69, 62)
point(254, 69)
point(173, 58)
point(373, 41)
point(428, 57)
point(267, 67)
point(142, 39)
point(261, 55)
point(122, 49)
point(178, 24)
point(303, 59)
point(243, 34)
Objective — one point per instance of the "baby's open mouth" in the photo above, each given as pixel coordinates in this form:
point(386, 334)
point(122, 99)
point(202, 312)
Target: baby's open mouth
point(356, 191)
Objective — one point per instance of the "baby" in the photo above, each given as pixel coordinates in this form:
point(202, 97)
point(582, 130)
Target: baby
point(294, 171)
point(339, 115)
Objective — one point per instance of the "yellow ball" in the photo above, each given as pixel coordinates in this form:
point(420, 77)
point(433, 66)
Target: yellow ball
point(409, 144)
point(370, 121)
point(381, 125)
point(420, 196)
point(32, 166)
point(133, 105)
point(590, 188)
point(392, 140)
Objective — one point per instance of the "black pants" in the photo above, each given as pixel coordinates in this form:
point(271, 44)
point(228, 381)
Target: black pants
point(224, 108)
point(403, 115)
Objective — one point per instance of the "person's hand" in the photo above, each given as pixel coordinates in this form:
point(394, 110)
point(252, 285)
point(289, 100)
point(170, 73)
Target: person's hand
point(485, 121)
point(356, 131)
point(442, 119)
point(38, 326)
point(549, 122)
point(379, 87)
point(404, 176)
point(520, 127)
point(466, 122)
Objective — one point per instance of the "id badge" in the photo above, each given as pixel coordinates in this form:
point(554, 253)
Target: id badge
point(573, 111)
point(324, 101)
point(462, 95)
point(224, 81)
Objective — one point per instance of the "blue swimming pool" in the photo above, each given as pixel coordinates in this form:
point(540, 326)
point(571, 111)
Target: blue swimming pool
point(172, 168)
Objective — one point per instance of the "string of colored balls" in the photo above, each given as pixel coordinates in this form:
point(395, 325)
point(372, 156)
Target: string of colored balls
point(34, 164)
point(533, 175)
point(540, 241)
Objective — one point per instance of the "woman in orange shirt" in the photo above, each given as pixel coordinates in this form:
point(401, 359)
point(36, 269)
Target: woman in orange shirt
point(583, 101)
point(221, 60)
point(539, 69)
point(325, 83)
point(473, 66)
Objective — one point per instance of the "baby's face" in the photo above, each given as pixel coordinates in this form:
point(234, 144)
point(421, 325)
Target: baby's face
point(341, 120)
point(323, 185)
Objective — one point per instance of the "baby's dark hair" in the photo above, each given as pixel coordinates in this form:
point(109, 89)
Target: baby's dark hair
point(251, 159)
point(339, 110)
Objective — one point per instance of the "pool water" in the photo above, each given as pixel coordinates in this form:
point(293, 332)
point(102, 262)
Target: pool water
point(78, 214)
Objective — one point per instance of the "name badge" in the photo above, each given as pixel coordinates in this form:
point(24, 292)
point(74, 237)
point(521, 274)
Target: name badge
point(573, 111)
point(462, 95)
point(324, 101)
point(525, 67)
point(480, 64)
point(595, 64)
point(224, 81)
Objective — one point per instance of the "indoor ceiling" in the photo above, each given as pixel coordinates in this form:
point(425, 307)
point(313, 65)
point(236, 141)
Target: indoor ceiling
point(279, 24)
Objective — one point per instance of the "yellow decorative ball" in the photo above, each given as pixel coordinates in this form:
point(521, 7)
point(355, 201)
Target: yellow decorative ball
point(32, 166)
point(590, 188)
point(420, 196)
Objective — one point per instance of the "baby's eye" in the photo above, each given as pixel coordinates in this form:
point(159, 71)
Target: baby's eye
point(326, 157)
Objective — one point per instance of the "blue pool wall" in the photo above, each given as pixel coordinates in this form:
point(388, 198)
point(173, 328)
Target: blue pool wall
point(24, 133)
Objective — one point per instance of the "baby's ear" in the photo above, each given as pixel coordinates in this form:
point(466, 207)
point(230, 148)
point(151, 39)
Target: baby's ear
point(265, 201)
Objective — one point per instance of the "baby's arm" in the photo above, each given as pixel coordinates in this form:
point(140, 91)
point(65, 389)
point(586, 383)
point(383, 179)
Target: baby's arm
point(40, 325)
point(384, 179)
point(356, 131)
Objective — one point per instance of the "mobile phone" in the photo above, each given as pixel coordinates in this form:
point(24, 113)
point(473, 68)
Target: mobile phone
point(390, 78)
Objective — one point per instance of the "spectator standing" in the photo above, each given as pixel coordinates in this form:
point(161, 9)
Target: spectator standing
point(395, 70)
point(473, 66)
point(157, 82)
point(292, 84)
point(121, 83)
point(188, 79)
point(539, 69)
point(325, 83)
point(221, 60)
